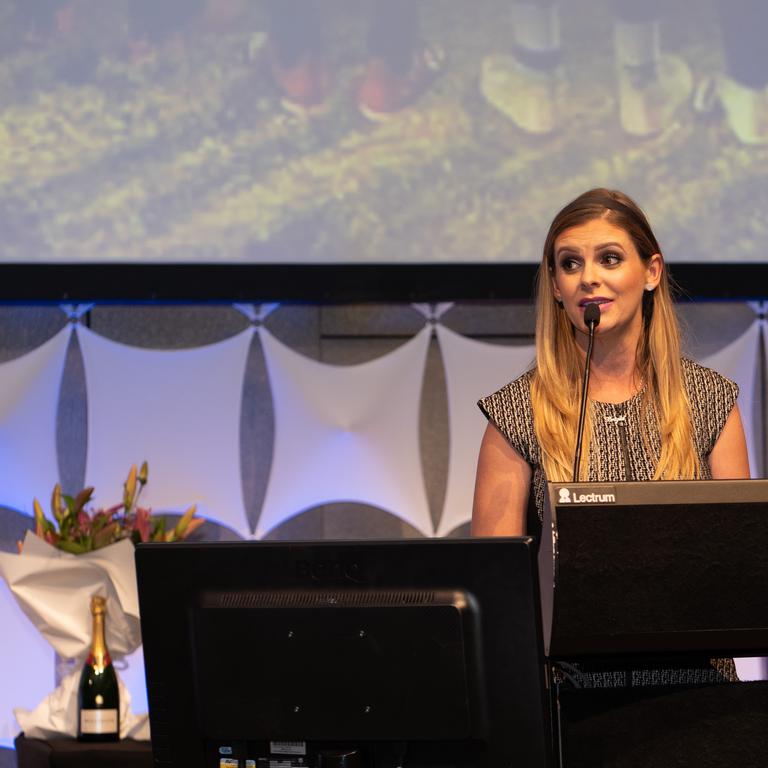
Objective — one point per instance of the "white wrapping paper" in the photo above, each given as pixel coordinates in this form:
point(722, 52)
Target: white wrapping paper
point(54, 589)
point(56, 715)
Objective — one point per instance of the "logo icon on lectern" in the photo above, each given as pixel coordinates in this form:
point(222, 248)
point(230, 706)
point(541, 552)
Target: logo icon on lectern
point(565, 496)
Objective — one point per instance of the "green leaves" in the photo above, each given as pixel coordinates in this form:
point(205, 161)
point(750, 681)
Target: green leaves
point(77, 529)
point(74, 547)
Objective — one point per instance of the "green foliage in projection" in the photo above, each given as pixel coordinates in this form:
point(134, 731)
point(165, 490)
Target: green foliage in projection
point(183, 152)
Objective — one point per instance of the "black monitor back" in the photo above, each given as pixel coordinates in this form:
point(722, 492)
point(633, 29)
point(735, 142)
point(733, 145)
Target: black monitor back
point(432, 648)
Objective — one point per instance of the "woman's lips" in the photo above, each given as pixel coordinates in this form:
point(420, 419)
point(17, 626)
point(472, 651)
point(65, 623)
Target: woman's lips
point(601, 302)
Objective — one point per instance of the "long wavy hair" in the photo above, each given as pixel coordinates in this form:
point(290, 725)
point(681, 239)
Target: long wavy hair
point(556, 383)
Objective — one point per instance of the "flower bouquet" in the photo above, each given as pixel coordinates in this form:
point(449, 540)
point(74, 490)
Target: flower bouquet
point(78, 530)
point(83, 552)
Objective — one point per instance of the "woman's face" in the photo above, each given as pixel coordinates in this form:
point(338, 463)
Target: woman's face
point(597, 262)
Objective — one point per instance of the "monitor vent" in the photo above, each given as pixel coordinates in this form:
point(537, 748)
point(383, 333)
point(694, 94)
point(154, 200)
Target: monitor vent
point(327, 599)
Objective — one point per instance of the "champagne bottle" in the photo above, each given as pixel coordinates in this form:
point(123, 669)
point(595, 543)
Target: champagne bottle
point(98, 700)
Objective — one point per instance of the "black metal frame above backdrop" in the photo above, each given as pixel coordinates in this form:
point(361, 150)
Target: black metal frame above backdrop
point(327, 283)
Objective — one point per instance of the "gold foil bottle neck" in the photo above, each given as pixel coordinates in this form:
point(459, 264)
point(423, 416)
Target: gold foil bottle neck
point(98, 605)
point(99, 653)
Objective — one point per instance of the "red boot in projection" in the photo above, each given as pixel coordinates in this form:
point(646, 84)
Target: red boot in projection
point(297, 58)
point(304, 84)
point(400, 67)
point(384, 90)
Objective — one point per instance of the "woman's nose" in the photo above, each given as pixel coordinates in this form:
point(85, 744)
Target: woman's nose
point(590, 276)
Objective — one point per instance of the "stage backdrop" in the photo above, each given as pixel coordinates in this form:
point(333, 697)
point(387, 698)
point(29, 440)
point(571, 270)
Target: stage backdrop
point(280, 422)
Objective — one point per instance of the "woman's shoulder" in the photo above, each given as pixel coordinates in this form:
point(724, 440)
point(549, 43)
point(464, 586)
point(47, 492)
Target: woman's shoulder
point(704, 383)
point(515, 396)
point(711, 397)
point(509, 410)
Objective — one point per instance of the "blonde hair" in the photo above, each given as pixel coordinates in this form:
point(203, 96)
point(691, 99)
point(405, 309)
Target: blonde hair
point(556, 383)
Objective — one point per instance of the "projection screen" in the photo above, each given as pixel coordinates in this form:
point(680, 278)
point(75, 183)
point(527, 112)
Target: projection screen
point(400, 133)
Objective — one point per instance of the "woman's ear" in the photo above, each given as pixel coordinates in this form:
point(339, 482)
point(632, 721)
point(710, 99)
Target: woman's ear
point(653, 272)
point(555, 290)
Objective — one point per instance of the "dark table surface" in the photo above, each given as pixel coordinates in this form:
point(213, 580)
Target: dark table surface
point(70, 753)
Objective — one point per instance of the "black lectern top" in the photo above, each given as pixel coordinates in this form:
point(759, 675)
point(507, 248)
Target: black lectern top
point(655, 567)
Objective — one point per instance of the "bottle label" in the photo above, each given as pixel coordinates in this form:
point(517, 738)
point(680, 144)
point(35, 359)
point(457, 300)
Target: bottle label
point(98, 721)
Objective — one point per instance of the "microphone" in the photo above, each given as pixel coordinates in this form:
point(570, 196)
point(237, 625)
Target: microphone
point(591, 320)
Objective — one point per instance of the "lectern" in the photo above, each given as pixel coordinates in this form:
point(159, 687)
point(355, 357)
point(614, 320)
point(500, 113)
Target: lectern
point(636, 571)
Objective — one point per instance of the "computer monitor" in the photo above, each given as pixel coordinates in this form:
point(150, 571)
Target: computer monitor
point(402, 653)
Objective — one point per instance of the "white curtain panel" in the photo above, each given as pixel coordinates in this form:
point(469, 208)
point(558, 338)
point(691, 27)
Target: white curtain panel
point(179, 410)
point(738, 361)
point(29, 397)
point(26, 664)
point(346, 433)
point(256, 312)
point(132, 674)
point(433, 311)
point(472, 369)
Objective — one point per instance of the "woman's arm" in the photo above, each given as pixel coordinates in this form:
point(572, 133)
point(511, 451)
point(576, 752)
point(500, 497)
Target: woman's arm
point(729, 459)
point(501, 488)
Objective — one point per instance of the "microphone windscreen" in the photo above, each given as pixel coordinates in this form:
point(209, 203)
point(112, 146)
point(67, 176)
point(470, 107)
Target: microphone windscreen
point(592, 315)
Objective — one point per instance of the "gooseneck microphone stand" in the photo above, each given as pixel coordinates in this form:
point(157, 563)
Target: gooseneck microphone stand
point(591, 320)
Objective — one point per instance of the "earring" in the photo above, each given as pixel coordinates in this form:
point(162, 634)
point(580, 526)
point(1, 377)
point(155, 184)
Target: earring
point(649, 287)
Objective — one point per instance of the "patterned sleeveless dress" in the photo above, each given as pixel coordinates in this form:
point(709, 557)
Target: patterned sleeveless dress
point(616, 453)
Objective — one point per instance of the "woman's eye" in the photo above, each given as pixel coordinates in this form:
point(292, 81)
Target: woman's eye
point(569, 264)
point(611, 259)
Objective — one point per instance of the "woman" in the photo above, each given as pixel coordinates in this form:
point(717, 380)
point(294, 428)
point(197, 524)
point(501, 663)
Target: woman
point(653, 415)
